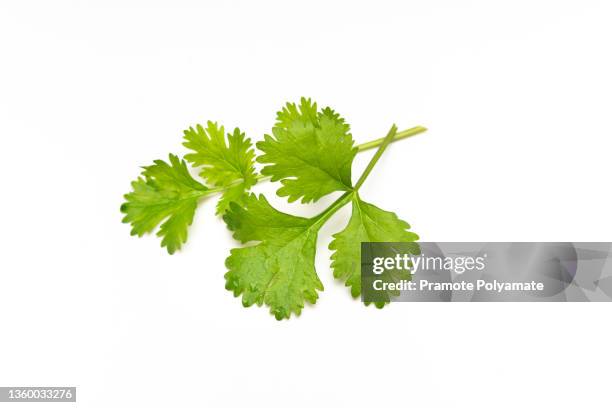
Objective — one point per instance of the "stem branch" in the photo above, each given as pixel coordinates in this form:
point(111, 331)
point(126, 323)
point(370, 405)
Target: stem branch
point(398, 136)
point(385, 142)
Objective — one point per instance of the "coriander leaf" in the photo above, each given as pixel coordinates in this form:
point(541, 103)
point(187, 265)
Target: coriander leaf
point(309, 151)
point(164, 192)
point(229, 165)
point(368, 223)
point(279, 271)
point(236, 193)
point(305, 113)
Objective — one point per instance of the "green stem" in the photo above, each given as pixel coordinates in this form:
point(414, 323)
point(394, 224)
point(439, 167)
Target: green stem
point(385, 142)
point(331, 210)
point(398, 136)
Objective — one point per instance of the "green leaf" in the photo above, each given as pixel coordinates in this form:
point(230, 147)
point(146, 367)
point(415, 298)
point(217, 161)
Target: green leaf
point(368, 223)
point(279, 271)
point(228, 164)
point(235, 194)
point(305, 113)
point(309, 151)
point(164, 192)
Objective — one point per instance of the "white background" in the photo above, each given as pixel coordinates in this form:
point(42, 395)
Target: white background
point(517, 96)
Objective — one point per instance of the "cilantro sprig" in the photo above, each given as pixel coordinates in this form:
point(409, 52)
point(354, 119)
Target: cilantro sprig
point(310, 152)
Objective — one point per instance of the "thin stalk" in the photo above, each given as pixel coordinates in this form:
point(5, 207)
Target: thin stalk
point(385, 142)
point(398, 136)
point(336, 205)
